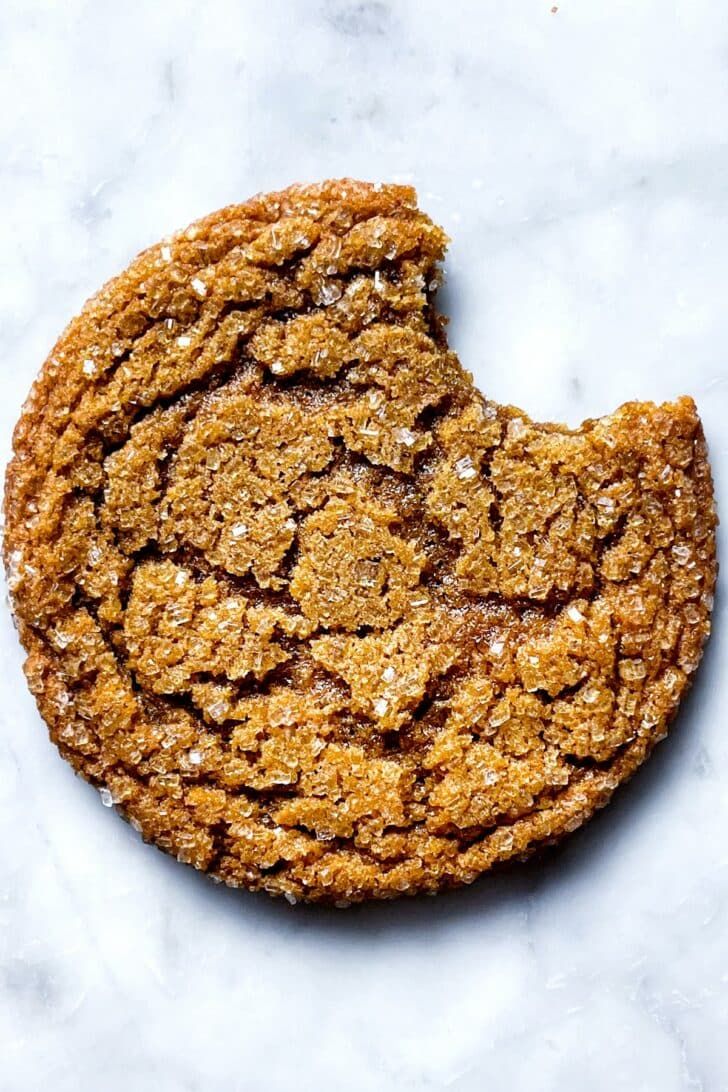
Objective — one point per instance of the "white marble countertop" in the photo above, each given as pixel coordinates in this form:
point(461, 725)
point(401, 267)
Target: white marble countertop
point(579, 160)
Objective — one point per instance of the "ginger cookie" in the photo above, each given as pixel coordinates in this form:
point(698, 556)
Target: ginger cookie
point(316, 616)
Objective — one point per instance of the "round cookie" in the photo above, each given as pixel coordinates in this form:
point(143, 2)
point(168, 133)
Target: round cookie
point(313, 614)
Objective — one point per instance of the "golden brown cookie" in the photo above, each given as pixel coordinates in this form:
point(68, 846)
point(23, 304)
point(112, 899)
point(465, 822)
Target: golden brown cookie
point(311, 612)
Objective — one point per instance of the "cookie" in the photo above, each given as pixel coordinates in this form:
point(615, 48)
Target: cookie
point(316, 616)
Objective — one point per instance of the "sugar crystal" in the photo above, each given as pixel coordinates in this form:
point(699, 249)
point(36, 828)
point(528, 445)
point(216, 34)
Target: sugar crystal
point(464, 468)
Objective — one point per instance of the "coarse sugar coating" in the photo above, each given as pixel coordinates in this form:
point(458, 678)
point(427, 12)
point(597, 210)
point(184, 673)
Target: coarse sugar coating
point(315, 615)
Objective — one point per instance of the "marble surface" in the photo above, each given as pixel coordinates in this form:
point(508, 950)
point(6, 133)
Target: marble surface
point(579, 159)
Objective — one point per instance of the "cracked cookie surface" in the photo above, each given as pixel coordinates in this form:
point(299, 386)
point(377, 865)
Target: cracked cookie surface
point(318, 617)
